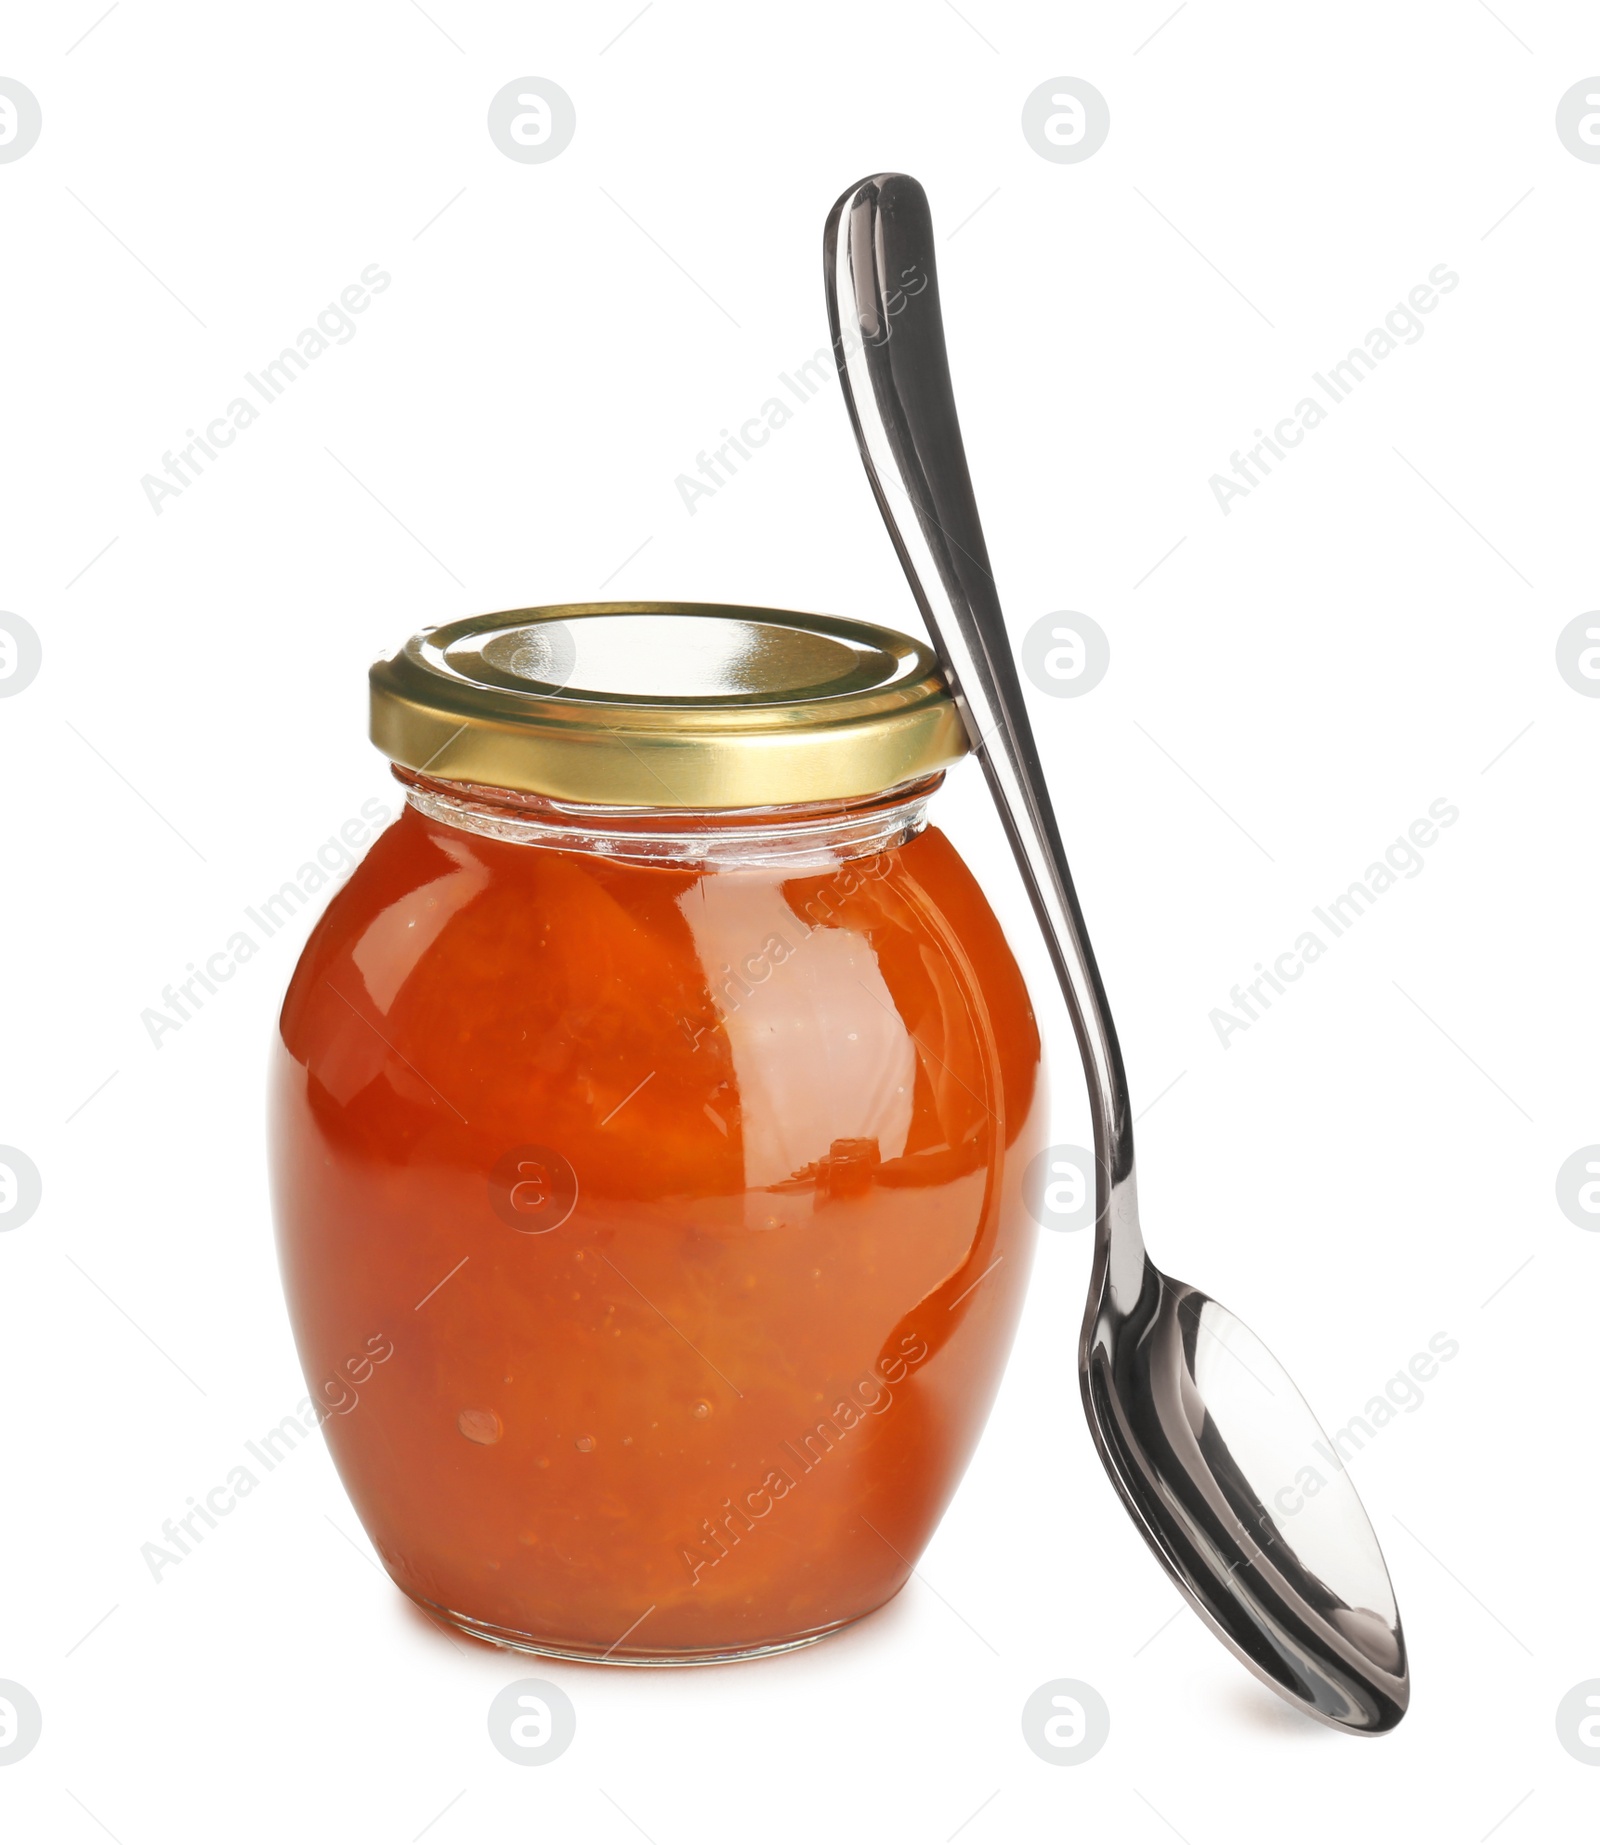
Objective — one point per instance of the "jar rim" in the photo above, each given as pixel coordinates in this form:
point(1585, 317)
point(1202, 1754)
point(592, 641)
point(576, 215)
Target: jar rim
point(680, 705)
point(706, 839)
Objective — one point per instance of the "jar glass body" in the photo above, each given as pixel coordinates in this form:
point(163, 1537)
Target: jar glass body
point(649, 1203)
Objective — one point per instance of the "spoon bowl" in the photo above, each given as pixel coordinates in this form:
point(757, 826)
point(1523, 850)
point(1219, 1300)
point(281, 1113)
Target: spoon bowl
point(1245, 1500)
point(1217, 1457)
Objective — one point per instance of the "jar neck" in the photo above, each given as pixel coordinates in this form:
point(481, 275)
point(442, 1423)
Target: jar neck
point(690, 838)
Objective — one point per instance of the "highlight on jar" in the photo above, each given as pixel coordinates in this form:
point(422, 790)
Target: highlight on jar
point(660, 1087)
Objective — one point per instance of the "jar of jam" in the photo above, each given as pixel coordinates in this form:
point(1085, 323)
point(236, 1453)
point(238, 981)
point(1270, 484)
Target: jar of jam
point(649, 1114)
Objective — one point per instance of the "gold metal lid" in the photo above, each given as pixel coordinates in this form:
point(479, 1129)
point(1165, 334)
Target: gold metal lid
point(666, 704)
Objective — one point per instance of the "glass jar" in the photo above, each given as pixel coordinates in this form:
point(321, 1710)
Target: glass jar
point(649, 1114)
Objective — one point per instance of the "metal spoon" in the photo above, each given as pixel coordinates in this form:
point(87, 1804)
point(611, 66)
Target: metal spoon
point(1215, 1453)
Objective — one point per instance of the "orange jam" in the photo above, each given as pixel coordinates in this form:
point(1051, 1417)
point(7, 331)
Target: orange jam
point(685, 1190)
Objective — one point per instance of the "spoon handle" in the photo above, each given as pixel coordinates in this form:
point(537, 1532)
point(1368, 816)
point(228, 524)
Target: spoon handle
point(888, 338)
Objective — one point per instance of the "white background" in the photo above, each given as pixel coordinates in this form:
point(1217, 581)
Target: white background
point(1373, 1162)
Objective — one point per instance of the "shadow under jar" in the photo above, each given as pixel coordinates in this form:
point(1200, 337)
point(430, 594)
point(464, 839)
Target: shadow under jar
point(649, 1117)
